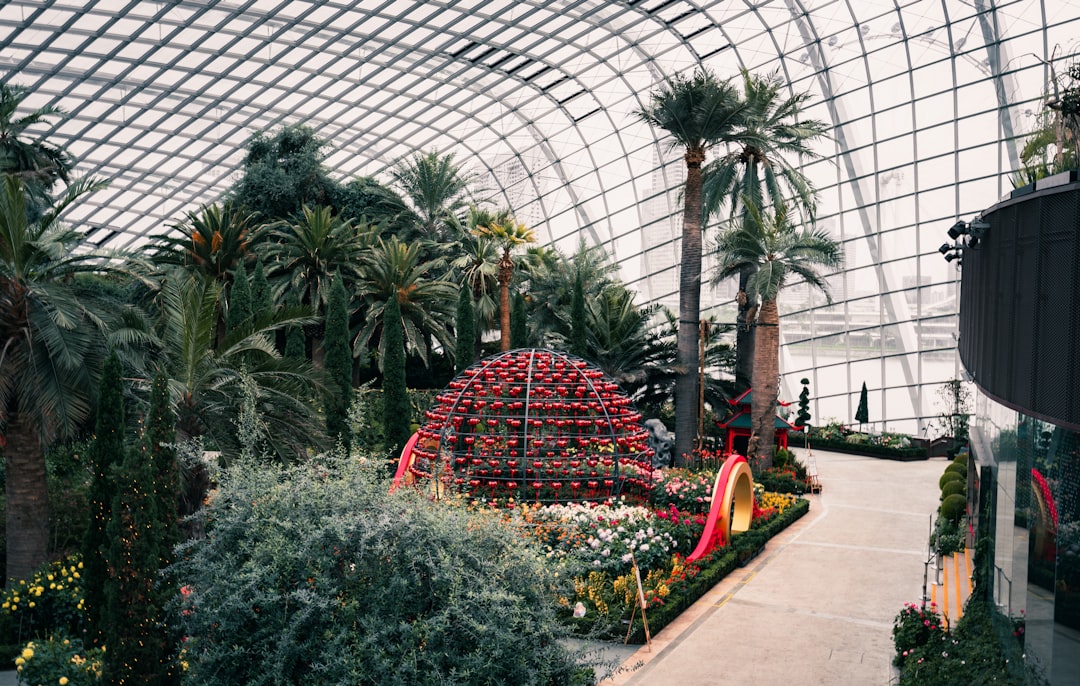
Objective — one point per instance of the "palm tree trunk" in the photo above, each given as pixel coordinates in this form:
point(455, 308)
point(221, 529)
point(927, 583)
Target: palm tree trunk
point(27, 499)
point(744, 335)
point(686, 384)
point(766, 386)
point(506, 273)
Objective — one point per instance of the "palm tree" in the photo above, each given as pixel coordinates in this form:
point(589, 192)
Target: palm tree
point(698, 111)
point(758, 167)
point(52, 347)
point(212, 240)
point(477, 263)
point(775, 250)
point(393, 269)
point(38, 164)
point(551, 281)
point(304, 255)
point(435, 188)
point(507, 233)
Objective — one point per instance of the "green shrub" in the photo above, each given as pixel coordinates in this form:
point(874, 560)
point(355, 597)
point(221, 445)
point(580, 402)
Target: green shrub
point(949, 536)
point(949, 476)
point(958, 468)
point(329, 579)
point(954, 507)
point(953, 486)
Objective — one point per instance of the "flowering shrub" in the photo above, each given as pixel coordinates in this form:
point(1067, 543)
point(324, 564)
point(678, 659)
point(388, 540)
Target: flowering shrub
point(60, 661)
point(602, 537)
point(913, 628)
point(689, 491)
point(51, 600)
point(615, 596)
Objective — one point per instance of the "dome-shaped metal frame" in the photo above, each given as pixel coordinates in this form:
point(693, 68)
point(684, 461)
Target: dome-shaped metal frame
point(535, 425)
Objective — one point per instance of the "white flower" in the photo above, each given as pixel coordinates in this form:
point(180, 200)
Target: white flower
point(644, 547)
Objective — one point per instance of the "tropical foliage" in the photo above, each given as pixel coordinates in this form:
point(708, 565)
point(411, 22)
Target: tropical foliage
point(777, 252)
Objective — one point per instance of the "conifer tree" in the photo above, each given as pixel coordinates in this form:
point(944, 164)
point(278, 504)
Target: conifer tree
point(578, 323)
point(519, 329)
point(338, 364)
point(106, 450)
point(465, 325)
point(295, 341)
point(262, 299)
point(141, 533)
point(396, 410)
point(240, 305)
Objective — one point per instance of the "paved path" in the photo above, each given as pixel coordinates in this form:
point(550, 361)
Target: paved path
point(817, 606)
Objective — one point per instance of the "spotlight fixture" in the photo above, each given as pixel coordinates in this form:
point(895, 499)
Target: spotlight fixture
point(952, 256)
point(958, 229)
point(945, 248)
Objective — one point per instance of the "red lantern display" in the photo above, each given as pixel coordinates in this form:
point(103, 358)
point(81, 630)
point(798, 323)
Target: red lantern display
point(556, 409)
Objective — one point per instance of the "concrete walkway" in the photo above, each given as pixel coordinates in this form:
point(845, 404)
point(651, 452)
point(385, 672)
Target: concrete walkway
point(817, 606)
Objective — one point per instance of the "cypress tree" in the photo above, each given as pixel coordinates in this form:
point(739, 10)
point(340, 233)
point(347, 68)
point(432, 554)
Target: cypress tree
point(158, 441)
point(519, 329)
point(140, 535)
point(262, 300)
point(862, 413)
point(465, 344)
point(397, 413)
point(338, 364)
point(240, 304)
point(578, 324)
point(106, 450)
point(295, 341)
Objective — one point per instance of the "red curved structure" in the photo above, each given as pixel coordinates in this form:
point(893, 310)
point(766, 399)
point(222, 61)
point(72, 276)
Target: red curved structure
point(732, 506)
point(401, 476)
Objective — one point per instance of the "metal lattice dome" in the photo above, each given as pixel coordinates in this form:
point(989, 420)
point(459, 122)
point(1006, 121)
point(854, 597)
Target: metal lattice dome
point(535, 425)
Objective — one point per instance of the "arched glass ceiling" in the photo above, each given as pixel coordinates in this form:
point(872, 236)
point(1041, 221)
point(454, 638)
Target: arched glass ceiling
point(929, 99)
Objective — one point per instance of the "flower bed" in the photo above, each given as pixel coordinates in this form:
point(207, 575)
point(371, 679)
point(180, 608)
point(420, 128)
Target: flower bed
point(592, 544)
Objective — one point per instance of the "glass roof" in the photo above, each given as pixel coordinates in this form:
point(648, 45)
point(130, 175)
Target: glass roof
point(930, 101)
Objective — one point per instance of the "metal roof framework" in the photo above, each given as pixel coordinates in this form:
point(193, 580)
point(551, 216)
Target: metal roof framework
point(929, 99)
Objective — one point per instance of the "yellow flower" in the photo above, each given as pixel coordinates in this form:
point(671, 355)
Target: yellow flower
point(31, 604)
point(19, 662)
point(63, 681)
point(27, 653)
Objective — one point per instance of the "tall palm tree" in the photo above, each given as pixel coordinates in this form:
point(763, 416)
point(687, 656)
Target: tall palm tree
point(698, 111)
point(508, 234)
point(436, 190)
point(393, 269)
point(52, 346)
point(776, 251)
point(767, 138)
point(37, 163)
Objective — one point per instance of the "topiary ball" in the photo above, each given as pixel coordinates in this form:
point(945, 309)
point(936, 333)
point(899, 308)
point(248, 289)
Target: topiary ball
point(953, 486)
point(950, 476)
point(958, 468)
point(953, 507)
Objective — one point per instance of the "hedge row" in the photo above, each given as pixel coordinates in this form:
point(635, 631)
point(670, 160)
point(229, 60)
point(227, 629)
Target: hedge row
point(902, 454)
